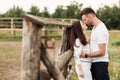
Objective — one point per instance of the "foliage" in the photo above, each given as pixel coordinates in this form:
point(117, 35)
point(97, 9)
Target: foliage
point(45, 13)
point(70, 11)
point(116, 43)
point(59, 12)
point(34, 10)
point(14, 12)
point(110, 16)
point(73, 10)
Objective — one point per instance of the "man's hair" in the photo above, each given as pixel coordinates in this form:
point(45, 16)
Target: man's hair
point(87, 11)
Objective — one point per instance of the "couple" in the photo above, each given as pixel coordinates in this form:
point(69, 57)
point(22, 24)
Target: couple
point(91, 57)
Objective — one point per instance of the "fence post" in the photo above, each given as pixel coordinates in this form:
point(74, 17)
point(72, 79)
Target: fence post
point(30, 68)
point(12, 26)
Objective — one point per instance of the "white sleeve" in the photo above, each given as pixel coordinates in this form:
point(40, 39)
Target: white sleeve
point(101, 36)
point(77, 51)
point(78, 47)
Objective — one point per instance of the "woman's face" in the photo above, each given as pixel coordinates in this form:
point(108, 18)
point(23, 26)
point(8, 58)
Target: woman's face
point(83, 25)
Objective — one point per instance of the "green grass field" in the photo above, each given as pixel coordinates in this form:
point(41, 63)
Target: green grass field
point(10, 56)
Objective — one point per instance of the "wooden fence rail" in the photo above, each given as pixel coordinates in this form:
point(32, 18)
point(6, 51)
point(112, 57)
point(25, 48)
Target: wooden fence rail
point(12, 24)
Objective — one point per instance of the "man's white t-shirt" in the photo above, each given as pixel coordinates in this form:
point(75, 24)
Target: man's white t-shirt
point(99, 35)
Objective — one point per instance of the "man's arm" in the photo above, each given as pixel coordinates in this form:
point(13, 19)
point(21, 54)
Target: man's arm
point(100, 52)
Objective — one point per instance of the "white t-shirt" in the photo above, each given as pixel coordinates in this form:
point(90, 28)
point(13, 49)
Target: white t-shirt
point(77, 51)
point(99, 35)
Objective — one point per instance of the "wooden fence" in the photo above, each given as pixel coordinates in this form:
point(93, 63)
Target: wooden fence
point(34, 51)
point(16, 24)
point(12, 24)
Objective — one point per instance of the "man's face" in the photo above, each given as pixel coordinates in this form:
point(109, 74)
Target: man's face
point(86, 19)
point(83, 25)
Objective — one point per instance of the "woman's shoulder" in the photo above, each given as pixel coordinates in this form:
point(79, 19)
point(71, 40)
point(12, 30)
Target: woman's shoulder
point(77, 42)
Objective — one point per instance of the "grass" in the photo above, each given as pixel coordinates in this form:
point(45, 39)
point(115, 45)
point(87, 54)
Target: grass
point(10, 54)
point(114, 56)
point(9, 36)
point(9, 60)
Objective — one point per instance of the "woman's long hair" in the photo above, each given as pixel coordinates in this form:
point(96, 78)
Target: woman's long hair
point(76, 32)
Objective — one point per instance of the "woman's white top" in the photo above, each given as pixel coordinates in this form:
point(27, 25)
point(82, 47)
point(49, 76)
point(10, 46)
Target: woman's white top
point(77, 51)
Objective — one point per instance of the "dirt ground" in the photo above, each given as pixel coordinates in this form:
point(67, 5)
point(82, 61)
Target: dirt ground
point(10, 59)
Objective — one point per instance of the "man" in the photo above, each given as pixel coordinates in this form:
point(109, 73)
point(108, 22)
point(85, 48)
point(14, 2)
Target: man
point(98, 45)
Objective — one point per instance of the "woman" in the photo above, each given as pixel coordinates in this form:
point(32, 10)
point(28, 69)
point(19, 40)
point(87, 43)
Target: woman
point(79, 44)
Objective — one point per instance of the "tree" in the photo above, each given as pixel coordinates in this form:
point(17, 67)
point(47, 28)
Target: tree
point(110, 16)
point(70, 11)
point(14, 12)
point(45, 13)
point(34, 11)
point(59, 12)
point(73, 10)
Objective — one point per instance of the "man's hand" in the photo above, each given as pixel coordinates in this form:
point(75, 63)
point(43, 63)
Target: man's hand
point(82, 55)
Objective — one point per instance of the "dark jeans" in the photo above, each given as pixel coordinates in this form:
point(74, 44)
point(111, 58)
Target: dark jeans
point(100, 71)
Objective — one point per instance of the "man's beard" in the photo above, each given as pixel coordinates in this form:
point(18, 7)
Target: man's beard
point(89, 25)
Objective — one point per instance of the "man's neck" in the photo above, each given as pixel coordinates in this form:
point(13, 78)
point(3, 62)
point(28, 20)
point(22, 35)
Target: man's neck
point(96, 22)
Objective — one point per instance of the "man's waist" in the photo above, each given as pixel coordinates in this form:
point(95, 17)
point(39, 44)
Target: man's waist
point(100, 59)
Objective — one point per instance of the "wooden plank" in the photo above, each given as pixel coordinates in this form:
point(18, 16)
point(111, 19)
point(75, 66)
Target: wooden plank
point(60, 62)
point(46, 21)
point(8, 29)
point(55, 72)
point(64, 58)
point(10, 18)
